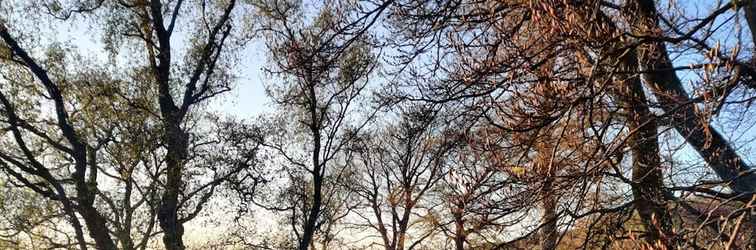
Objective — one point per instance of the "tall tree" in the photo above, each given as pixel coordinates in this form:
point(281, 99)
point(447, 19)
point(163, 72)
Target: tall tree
point(26, 165)
point(152, 82)
point(200, 84)
point(324, 64)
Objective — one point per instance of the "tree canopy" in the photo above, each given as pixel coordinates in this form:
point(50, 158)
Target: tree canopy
point(384, 124)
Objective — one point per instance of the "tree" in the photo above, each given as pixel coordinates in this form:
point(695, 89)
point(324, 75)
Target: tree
point(401, 164)
point(25, 164)
point(324, 65)
point(150, 87)
point(485, 54)
point(477, 190)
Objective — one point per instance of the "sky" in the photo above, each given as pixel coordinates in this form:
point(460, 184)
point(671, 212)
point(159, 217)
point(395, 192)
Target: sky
point(248, 99)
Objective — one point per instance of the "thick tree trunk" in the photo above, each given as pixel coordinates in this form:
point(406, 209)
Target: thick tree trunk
point(647, 186)
point(697, 131)
point(750, 14)
point(176, 140)
point(98, 230)
point(708, 142)
point(674, 100)
point(176, 143)
point(460, 235)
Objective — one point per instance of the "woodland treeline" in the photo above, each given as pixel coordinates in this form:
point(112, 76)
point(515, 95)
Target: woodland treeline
point(390, 124)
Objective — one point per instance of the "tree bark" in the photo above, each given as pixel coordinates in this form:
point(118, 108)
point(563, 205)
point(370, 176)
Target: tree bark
point(98, 230)
point(698, 132)
point(674, 100)
point(750, 14)
point(549, 231)
point(176, 140)
point(647, 176)
point(310, 225)
point(460, 234)
point(176, 143)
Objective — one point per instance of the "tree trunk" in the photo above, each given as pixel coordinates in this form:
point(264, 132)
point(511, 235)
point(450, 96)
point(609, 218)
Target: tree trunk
point(75, 223)
point(674, 100)
point(317, 171)
point(697, 131)
point(86, 192)
point(176, 140)
point(406, 214)
point(98, 230)
point(459, 232)
point(647, 186)
point(314, 212)
point(176, 143)
point(127, 242)
point(549, 231)
point(750, 14)
point(95, 222)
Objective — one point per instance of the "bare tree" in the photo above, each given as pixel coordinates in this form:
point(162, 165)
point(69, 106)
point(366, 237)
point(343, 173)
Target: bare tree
point(402, 163)
point(324, 65)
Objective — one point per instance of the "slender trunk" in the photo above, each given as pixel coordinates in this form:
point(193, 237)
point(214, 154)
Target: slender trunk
point(317, 171)
point(549, 231)
point(400, 241)
point(544, 166)
point(647, 177)
point(406, 214)
point(127, 242)
point(314, 212)
point(459, 229)
point(381, 228)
